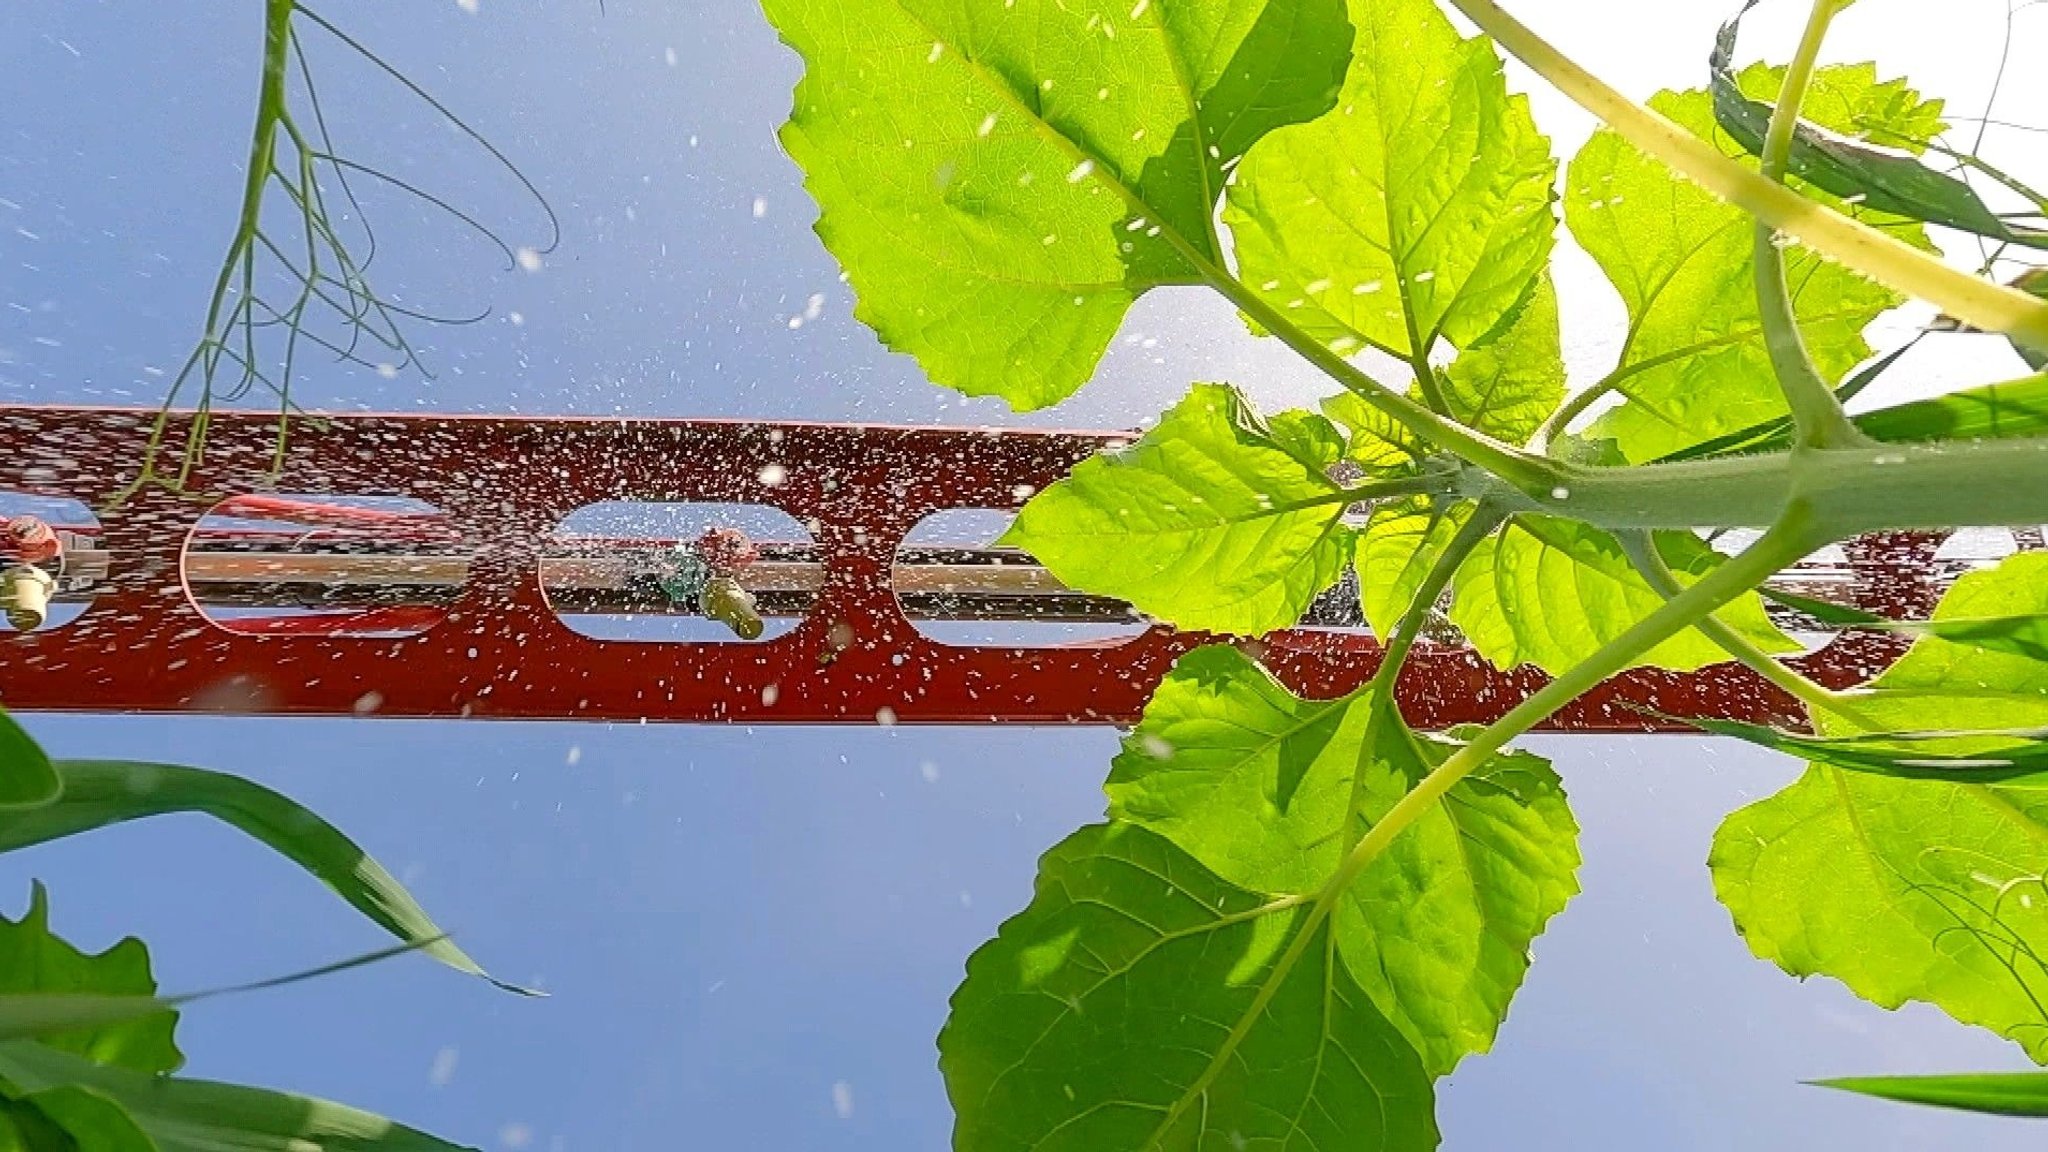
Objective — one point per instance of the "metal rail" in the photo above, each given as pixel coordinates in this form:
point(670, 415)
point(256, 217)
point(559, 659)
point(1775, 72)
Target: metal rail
point(482, 585)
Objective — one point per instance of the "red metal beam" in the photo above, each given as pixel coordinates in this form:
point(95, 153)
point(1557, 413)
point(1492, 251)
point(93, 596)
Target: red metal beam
point(504, 484)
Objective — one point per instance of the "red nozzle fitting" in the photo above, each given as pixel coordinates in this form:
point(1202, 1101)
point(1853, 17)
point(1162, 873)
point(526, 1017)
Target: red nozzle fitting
point(27, 540)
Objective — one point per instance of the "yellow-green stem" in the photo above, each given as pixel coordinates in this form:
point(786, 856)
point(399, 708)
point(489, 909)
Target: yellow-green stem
point(1817, 416)
point(1793, 537)
point(1986, 305)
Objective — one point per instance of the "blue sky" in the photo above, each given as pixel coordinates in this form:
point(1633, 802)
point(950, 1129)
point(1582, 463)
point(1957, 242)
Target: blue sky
point(750, 934)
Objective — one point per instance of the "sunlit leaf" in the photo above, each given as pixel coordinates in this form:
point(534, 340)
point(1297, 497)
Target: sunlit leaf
point(2005, 411)
point(1997, 1093)
point(99, 793)
point(1270, 791)
point(1418, 207)
point(1509, 385)
point(1401, 542)
point(1002, 178)
point(202, 1116)
point(1140, 1002)
point(33, 959)
point(26, 778)
point(1505, 388)
point(1211, 521)
point(1935, 890)
point(1693, 363)
point(1550, 592)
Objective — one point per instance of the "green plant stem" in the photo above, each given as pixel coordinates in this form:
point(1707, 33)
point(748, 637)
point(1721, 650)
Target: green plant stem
point(1502, 460)
point(1861, 248)
point(270, 112)
point(1817, 417)
point(1942, 485)
point(1793, 537)
point(1483, 521)
point(1642, 551)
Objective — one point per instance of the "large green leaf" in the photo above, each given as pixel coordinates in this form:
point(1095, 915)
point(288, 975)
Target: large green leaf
point(1509, 385)
point(1142, 1003)
point(203, 1116)
point(1212, 520)
point(26, 778)
point(98, 793)
point(1418, 207)
point(68, 1118)
point(1997, 1093)
point(1270, 791)
point(1551, 592)
point(1934, 889)
point(1693, 364)
point(34, 959)
point(1002, 178)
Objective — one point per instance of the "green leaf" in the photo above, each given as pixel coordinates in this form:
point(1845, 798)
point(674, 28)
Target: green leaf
point(1002, 178)
point(1211, 521)
point(1418, 207)
point(1693, 364)
point(1854, 102)
point(98, 793)
point(1934, 888)
point(1551, 592)
point(1509, 385)
point(1401, 543)
point(1506, 389)
point(43, 1015)
point(2021, 635)
point(2009, 410)
point(35, 960)
point(69, 1118)
point(202, 1116)
point(1140, 1002)
point(2010, 756)
point(26, 778)
point(1378, 443)
point(1998, 1093)
point(1270, 791)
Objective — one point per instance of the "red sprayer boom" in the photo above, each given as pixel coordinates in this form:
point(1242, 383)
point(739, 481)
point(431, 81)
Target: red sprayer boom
point(463, 601)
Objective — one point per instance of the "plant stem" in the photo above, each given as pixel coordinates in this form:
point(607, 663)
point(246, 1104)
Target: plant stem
point(1942, 485)
point(1863, 249)
point(1791, 538)
point(1642, 551)
point(1503, 460)
point(270, 110)
point(1483, 520)
point(1817, 416)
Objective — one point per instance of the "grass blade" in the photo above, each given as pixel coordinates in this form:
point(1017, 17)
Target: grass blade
point(1998, 1093)
point(99, 793)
